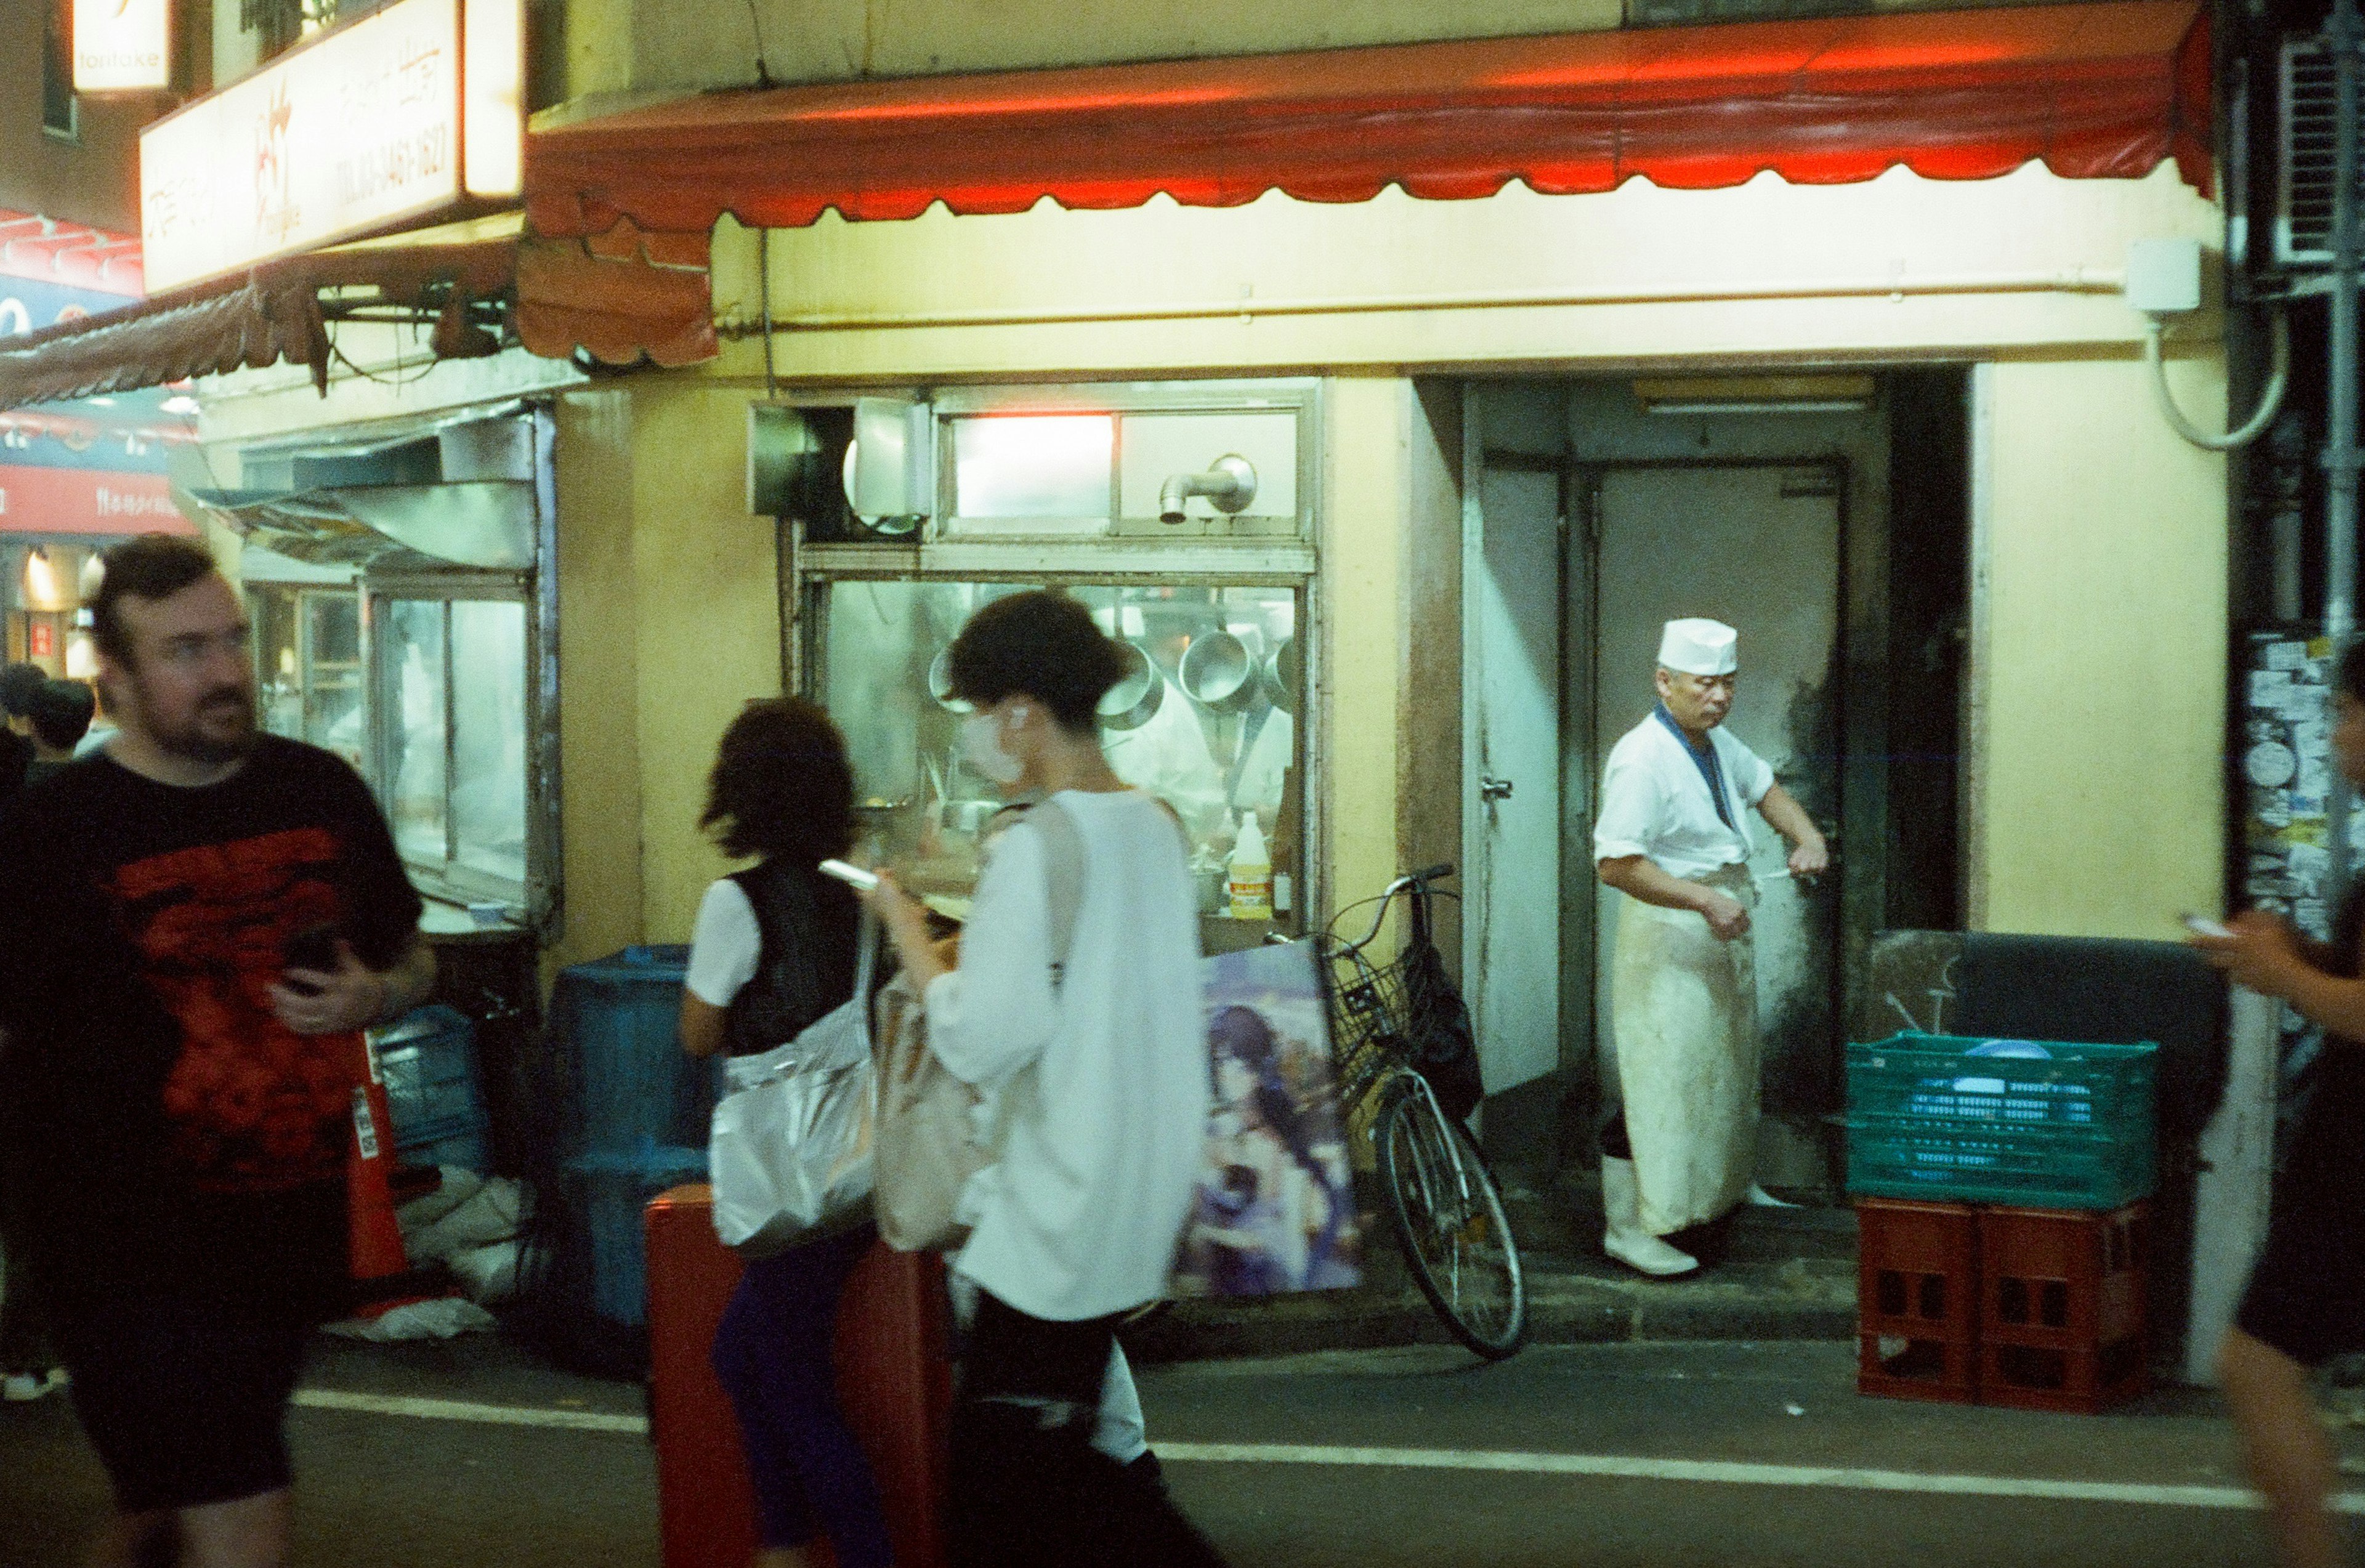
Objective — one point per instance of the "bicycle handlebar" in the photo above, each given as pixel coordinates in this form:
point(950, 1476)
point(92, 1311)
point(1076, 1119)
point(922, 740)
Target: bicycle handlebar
point(1414, 881)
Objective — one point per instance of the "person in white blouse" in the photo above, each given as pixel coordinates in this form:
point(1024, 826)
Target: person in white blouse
point(1097, 1058)
point(1673, 835)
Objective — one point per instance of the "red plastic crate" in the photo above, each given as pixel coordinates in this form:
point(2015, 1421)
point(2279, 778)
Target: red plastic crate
point(2061, 1309)
point(1917, 1299)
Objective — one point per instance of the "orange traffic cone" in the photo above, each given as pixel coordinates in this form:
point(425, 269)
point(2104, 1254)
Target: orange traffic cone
point(382, 1275)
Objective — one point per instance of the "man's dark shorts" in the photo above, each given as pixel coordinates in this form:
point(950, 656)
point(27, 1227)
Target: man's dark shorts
point(2307, 1294)
point(182, 1369)
point(184, 1397)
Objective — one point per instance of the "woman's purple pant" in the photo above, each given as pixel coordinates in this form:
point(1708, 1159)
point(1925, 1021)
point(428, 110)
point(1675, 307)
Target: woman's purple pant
point(773, 1354)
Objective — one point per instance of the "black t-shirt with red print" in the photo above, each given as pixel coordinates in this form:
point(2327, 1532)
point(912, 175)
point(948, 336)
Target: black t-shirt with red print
point(156, 1118)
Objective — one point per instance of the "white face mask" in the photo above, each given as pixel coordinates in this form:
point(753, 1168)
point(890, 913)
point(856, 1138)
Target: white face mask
point(980, 747)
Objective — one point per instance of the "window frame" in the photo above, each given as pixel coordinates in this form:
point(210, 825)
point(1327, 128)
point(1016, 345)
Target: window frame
point(57, 56)
point(531, 901)
point(299, 597)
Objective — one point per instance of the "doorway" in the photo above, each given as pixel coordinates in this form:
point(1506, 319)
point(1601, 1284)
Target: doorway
point(1590, 519)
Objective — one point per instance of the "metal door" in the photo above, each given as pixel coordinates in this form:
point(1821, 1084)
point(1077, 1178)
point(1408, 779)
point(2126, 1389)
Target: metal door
point(1513, 525)
point(1757, 546)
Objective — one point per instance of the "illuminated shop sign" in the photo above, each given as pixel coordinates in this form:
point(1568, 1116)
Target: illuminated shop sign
point(122, 46)
point(406, 114)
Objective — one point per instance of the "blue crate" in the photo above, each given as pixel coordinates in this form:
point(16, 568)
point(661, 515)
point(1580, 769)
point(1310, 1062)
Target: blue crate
point(427, 1060)
point(2072, 1128)
point(628, 1083)
point(606, 1194)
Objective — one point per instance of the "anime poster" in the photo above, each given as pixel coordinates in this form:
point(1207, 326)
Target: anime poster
point(1276, 1204)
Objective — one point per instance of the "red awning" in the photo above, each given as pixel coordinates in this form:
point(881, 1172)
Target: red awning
point(2092, 90)
point(621, 298)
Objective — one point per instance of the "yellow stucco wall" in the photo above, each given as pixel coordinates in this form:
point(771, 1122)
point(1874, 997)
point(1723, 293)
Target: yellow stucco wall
point(598, 690)
point(669, 622)
point(1895, 267)
point(708, 621)
point(1366, 468)
point(2099, 636)
point(615, 45)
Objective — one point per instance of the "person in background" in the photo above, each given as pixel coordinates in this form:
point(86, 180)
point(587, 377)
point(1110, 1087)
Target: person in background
point(102, 723)
point(60, 714)
point(1673, 836)
point(775, 950)
point(18, 682)
point(1096, 1059)
point(177, 1095)
point(2306, 1304)
point(28, 1366)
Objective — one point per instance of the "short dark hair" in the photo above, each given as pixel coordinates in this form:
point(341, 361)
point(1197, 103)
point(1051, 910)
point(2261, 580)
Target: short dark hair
point(62, 712)
point(781, 788)
point(1040, 644)
point(153, 566)
point(2349, 679)
point(17, 684)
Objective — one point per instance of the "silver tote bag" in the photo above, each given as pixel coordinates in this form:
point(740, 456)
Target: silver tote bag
point(791, 1142)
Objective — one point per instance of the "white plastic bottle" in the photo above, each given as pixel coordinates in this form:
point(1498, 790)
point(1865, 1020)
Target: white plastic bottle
point(1249, 873)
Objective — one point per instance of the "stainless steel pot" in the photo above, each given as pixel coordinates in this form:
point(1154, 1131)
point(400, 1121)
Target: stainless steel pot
point(1220, 671)
point(1134, 701)
point(1284, 675)
point(940, 682)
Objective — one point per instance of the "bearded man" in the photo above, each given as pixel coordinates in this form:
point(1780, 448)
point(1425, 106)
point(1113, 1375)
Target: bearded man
point(199, 923)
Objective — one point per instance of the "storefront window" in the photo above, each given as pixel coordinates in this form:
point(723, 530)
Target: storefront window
point(307, 650)
point(418, 671)
point(454, 736)
point(488, 739)
point(1207, 719)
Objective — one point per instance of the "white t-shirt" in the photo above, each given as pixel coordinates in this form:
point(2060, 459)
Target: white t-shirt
point(1102, 1084)
point(1654, 801)
point(725, 945)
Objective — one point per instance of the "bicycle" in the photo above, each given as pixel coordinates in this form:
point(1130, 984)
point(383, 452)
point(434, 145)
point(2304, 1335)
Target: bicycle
point(1442, 1202)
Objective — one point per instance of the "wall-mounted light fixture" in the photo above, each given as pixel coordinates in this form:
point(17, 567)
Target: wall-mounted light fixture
point(43, 590)
point(1755, 394)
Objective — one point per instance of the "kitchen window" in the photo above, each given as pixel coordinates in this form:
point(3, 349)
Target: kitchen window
point(309, 667)
point(453, 721)
point(1215, 608)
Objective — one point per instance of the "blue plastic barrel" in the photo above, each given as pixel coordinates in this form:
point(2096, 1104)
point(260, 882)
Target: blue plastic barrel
point(629, 1084)
point(606, 1191)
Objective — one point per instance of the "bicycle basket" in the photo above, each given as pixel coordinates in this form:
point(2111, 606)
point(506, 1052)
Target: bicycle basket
point(1367, 1013)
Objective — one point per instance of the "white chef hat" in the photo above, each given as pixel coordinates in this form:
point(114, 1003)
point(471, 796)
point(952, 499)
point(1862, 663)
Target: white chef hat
point(1699, 647)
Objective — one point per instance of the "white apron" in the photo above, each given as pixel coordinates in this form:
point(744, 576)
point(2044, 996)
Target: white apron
point(1684, 1016)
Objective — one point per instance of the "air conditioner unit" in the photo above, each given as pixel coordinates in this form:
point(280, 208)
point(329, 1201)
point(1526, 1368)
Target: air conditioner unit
point(2304, 198)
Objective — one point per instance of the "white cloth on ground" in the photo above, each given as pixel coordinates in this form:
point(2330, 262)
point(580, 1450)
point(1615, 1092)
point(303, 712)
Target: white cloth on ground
point(1102, 1083)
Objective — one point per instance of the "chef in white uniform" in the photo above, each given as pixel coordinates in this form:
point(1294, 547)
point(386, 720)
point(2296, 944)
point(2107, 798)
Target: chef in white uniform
point(1674, 836)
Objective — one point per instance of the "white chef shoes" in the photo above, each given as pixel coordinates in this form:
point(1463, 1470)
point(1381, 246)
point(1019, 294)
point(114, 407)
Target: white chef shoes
point(1623, 1236)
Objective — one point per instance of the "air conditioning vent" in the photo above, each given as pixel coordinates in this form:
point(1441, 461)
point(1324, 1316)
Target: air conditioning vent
point(2304, 206)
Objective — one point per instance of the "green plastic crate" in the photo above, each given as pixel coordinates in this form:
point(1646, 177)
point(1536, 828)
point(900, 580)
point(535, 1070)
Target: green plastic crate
point(2074, 1129)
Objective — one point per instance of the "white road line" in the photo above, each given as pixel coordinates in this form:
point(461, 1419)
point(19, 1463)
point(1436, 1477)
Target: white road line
point(1612, 1467)
point(460, 1410)
point(1727, 1474)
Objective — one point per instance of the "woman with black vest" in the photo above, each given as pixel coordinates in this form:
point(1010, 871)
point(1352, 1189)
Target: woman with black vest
point(775, 950)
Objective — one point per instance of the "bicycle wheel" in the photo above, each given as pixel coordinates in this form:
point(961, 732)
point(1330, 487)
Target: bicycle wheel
point(1448, 1219)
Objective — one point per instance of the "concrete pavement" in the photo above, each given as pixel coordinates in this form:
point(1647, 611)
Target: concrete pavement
point(1601, 1455)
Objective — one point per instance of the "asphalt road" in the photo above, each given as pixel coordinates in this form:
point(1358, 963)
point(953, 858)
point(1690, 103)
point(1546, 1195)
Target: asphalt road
point(1601, 1456)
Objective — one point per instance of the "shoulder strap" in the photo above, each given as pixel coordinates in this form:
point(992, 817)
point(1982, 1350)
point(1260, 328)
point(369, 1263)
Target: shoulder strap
point(1063, 867)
